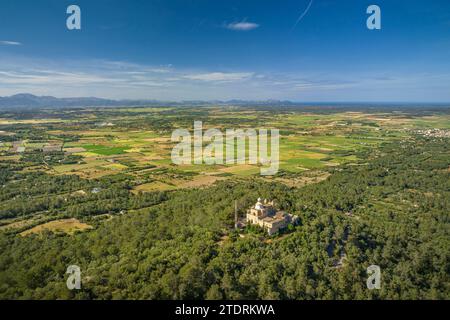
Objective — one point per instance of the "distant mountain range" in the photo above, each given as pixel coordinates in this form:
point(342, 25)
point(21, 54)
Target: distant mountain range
point(29, 101)
point(25, 100)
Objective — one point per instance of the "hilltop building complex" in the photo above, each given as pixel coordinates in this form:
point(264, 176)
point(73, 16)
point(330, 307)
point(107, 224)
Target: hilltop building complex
point(266, 216)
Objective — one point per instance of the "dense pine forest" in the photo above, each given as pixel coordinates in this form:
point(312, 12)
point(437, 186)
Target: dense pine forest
point(392, 209)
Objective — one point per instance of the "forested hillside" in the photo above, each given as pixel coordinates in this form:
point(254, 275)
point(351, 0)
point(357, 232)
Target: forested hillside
point(392, 211)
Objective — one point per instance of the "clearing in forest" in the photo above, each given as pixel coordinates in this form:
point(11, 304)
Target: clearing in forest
point(68, 226)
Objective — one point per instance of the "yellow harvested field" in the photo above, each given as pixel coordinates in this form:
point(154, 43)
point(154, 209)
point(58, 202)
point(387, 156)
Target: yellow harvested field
point(196, 182)
point(68, 226)
point(9, 158)
point(201, 181)
point(243, 169)
point(19, 223)
point(115, 166)
point(34, 121)
point(302, 181)
point(153, 186)
point(159, 140)
point(86, 154)
point(74, 150)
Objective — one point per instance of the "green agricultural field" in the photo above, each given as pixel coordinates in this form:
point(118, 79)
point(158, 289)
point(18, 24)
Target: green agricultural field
point(104, 150)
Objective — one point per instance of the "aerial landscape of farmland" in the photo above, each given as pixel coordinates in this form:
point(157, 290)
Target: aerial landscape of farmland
point(87, 172)
point(224, 159)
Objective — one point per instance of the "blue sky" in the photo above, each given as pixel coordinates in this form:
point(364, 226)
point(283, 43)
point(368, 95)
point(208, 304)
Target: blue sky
point(227, 49)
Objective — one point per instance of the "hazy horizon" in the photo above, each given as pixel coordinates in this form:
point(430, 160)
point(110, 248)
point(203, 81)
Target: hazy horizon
point(181, 101)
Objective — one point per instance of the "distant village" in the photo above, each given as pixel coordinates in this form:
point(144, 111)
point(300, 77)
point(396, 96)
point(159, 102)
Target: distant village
point(21, 146)
point(434, 133)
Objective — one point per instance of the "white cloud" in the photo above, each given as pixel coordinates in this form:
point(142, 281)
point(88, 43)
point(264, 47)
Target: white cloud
point(219, 76)
point(49, 77)
point(124, 80)
point(242, 26)
point(314, 86)
point(10, 43)
point(158, 70)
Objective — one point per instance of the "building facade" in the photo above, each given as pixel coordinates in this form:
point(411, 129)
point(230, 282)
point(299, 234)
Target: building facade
point(267, 217)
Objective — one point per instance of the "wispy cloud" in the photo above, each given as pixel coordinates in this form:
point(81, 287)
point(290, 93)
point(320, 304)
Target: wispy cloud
point(117, 79)
point(127, 80)
point(242, 26)
point(10, 43)
point(303, 14)
point(219, 76)
point(50, 77)
point(318, 86)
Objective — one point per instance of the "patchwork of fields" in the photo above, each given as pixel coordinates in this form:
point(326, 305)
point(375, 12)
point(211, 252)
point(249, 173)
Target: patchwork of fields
point(107, 141)
point(135, 143)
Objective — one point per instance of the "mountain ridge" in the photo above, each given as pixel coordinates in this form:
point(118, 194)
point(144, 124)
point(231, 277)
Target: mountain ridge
point(30, 101)
point(27, 100)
